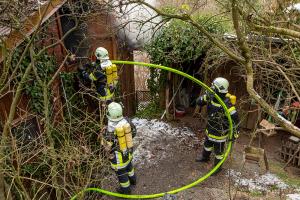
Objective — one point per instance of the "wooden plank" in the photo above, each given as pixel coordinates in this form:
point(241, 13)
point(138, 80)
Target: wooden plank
point(258, 155)
point(252, 157)
point(254, 150)
point(16, 37)
point(127, 85)
point(294, 139)
point(60, 32)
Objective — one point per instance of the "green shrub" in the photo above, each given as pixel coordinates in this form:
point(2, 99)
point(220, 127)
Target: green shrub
point(180, 44)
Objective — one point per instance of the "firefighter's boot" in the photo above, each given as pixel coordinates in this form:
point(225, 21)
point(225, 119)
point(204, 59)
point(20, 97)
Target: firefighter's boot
point(123, 190)
point(132, 180)
point(204, 157)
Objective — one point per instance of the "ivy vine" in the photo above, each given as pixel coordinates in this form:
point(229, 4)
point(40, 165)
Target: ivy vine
point(45, 66)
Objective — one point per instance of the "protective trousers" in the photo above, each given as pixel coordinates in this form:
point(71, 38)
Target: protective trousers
point(213, 145)
point(124, 170)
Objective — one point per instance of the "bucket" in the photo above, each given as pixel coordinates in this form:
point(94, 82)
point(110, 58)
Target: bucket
point(179, 111)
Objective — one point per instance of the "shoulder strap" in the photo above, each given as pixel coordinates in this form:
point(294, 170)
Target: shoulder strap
point(227, 103)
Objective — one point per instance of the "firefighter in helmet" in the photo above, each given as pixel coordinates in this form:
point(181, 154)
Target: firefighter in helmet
point(103, 73)
point(217, 129)
point(118, 137)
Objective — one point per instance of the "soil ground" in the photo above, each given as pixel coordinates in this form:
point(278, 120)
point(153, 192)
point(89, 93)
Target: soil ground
point(178, 167)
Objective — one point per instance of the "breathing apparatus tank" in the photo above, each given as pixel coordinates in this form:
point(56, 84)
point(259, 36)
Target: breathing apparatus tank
point(115, 74)
point(124, 135)
point(121, 138)
point(232, 98)
point(109, 74)
point(128, 135)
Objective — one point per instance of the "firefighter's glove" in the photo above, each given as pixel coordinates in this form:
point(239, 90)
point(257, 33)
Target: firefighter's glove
point(85, 75)
point(198, 100)
point(72, 58)
point(234, 137)
point(107, 145)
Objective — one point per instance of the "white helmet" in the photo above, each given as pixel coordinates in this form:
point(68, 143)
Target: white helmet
point(114, 112)
point(101, 53)
point(221, 85)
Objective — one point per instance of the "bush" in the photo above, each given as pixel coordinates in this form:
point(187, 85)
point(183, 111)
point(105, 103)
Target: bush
point(180, 44)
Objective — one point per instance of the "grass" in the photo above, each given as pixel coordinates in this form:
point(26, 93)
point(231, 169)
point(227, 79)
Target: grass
point(256, 194)
point(277, 168)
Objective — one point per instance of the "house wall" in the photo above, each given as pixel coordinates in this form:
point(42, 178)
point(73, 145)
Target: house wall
point(5, 103)
point(100, 32)
point(54, 32)
point(23, 108)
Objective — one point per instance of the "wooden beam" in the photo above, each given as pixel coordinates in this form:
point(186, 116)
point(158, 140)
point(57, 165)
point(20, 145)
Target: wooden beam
point(16, 37)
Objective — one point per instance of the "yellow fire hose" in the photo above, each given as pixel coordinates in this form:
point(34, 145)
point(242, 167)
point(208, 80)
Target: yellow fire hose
point(201, 179)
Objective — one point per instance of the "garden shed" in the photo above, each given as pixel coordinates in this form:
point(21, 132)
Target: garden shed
point(94, 30)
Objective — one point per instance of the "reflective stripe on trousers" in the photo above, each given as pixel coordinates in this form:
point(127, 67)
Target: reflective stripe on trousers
point(214, 138)
point(219, 157)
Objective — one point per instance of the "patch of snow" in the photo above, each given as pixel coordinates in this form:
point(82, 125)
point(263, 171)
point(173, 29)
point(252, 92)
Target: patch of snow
point(293, 197)
point(155, 139)
point(257, 183)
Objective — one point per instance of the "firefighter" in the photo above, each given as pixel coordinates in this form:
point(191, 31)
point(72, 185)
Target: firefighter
point(118, 139)
point(103, 73)
point(217, 129)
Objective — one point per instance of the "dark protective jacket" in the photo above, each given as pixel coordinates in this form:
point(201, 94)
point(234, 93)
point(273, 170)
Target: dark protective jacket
point(95, 73)
point(217, 122)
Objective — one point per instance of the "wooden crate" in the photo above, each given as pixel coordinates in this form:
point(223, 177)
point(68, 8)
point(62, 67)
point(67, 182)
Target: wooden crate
point(257, 155)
